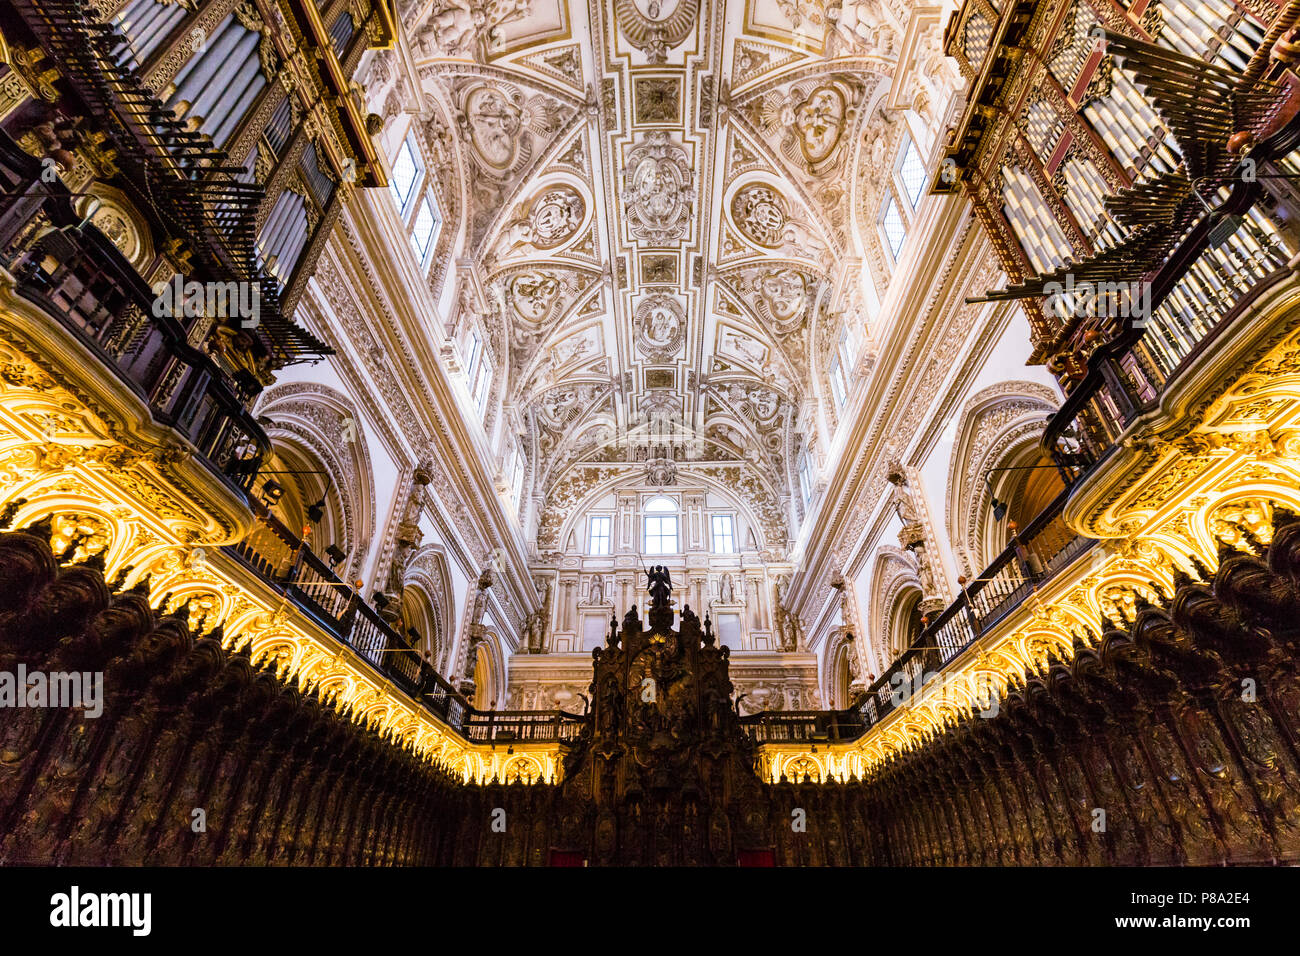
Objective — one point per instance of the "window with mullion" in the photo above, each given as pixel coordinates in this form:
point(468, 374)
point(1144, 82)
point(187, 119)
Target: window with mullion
point(892, 227)
point(724, 538)
point(405, 177)
point(911, 173)
point(661, 534)
point(598, 535)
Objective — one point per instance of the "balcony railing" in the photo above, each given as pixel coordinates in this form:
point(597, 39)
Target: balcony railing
point(80, 279)
point(522, 726)
point(1127, 376)
point(173, 175)
point(1034, 556)
point(803, 726)
point(284, 561)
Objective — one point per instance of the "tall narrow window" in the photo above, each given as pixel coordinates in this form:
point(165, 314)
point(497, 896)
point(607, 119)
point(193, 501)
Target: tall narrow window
point(838, 388)
point(805, 478)
point(471, 366)
point(424, 228)
point(724, 537)
point(517, 477)
point(406, 173)
point(892, 225)
point(911, 173)
point(482, 386)
point(598, 534)
point(661, 526)
point(840, 369)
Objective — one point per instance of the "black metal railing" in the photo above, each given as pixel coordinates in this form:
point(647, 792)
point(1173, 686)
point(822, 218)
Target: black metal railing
point(288, 564)
point(174, 174)
point(803, 726)
point(1035, 555)
point(81, 280)
point(1127, 376)
point(521, 726)
point(1227, 260)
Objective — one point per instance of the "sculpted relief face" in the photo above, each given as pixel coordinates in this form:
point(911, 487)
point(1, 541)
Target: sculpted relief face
point(494, 125)
point(819, 121)
point(786, 292)
point(533, 293)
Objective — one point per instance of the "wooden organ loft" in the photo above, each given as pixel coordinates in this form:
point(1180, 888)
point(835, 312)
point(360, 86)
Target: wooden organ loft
point(215, 140)
point(1144, 147)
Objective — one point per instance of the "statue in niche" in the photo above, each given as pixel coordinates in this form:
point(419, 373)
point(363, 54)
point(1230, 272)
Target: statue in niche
point(902, 497)
point(535, 632)
point(786, 641)
point(924, 570)
point(726, 592)
point(597, 595)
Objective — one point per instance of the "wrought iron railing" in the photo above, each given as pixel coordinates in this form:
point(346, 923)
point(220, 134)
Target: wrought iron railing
point(1226, 261)
point(288, 564)
point(803, 726)
point(1127, 376)
point(521, 726)
point(172, 173)
point(1035, 555)
point(80, 279)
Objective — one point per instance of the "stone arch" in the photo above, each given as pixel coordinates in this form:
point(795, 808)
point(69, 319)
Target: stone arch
point(895, 592)
point(427, 602)
point(838, 683)
point(489, 673)
point(999, 426)
point(314, 425)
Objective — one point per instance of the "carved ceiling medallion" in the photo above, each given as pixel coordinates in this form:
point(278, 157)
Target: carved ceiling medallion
point(532, 294)
point(660, 322)
point(557, 214)
point(656, 26)
point(759, 213)
point(819, 124)
point(786, 293)
point(657, 190)
point(494, 122)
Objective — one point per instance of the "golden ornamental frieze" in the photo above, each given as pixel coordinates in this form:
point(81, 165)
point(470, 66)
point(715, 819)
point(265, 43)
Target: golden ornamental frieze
point(1240, 404)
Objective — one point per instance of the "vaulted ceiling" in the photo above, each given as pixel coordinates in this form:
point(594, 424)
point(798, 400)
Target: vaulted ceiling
point(668, 204)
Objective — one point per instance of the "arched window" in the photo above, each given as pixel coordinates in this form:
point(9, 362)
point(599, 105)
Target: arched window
point(661, 526)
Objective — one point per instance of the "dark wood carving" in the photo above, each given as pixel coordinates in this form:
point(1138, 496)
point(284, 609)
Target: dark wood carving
point(1182, 730)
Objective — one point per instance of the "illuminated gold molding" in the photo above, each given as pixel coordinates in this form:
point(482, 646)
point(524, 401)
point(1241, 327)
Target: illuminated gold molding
point(78, 446)
point(1209, 468)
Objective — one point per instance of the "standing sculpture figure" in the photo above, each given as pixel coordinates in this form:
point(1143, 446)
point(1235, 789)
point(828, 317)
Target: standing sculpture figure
point(659, 584)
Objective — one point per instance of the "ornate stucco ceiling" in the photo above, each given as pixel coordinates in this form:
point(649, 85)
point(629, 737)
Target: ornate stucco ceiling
point(666, 207)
